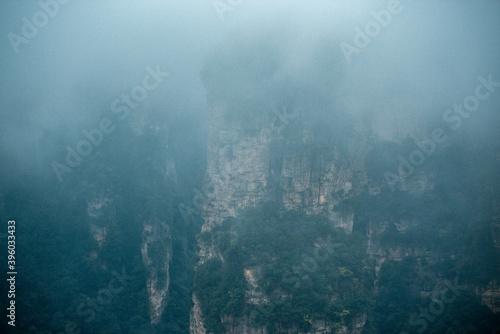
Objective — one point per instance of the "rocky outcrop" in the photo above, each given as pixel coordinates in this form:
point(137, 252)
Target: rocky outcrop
point(156, 245)
point(156, 252)
point(381, 252)
point(101, 216)
point(490, 296)
point(244, 169)
point(196, 325)
point(251, 162)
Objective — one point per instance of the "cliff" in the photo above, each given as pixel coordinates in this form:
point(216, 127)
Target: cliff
point(284, 155)
point(280, 156)
point(105, 210)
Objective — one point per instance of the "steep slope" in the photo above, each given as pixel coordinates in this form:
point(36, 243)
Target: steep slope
point(328, 156)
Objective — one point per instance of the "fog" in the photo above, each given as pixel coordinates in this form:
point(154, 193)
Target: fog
point(354, 68)
point(64, 79)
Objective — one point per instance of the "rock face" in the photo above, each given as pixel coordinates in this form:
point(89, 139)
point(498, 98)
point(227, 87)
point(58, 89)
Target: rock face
point(237, 173)
point(98, 209)
point(306, 171)
point(156, 255)
point(303, 170)
point(196, 326)
point(245, 168)
point(156, 249)
point(156, 245)
point(281, 156)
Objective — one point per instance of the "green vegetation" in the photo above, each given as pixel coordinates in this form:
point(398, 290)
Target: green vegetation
point(452, 223)
point(60, 264)
point(310, 270)
point(400, 307)
point(306, 270)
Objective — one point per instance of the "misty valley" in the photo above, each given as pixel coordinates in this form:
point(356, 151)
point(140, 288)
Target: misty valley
point(253, 167)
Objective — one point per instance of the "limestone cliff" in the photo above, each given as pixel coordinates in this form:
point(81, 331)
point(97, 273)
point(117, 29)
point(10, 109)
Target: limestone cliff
point(156, 255)
point(104, 201)
point(294, 165)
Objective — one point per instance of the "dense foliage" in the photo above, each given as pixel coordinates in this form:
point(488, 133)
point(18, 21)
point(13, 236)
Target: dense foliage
point(63, 270)
point(282, 270)
point(305, 269)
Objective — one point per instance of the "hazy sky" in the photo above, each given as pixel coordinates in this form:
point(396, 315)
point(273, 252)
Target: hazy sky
point(428, 56)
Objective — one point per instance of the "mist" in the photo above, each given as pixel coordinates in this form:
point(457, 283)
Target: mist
point(143, 103)
point(65, 78)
